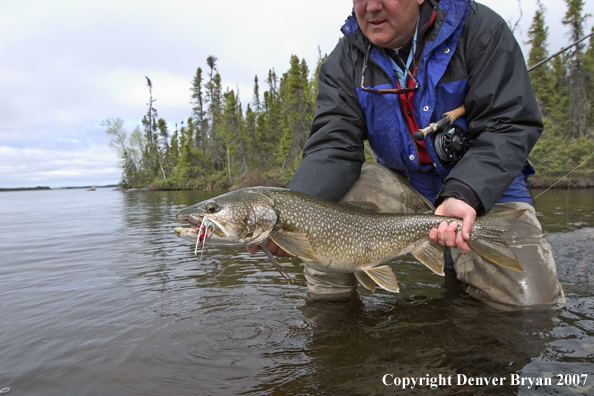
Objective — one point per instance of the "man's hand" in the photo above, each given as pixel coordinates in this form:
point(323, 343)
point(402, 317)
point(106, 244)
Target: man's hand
point(272, 248)
point(445, 234)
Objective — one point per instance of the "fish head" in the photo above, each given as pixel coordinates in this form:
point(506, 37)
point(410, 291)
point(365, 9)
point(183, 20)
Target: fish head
point(241, 217)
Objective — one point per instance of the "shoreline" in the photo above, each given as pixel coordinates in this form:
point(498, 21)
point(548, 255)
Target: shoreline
point(536, 182)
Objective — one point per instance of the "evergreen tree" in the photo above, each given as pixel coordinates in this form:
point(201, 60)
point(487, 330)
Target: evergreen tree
point(578, 103)
point(163, 136)
point(213, 90)
point(173, 156)
point(214, 94)
point(152, 160)
point(268, 124)
point(540, 77)
point(251, 143)
point(229, 137)
point(296, 99)
point(256, 99)
point(185, 158)
point(198, 114)
point(589, 66)
point(558, 100)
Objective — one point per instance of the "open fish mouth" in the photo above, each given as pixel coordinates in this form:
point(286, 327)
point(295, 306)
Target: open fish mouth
point(200, 234)
point(202, 227)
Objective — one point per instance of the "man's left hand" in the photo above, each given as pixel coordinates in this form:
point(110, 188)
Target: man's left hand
point(446, 234)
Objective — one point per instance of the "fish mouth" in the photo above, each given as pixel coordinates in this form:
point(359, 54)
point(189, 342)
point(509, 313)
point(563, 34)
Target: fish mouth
point(198, 223)
point(201, 233)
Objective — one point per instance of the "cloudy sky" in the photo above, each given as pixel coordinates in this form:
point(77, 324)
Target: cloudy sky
point(65, 65)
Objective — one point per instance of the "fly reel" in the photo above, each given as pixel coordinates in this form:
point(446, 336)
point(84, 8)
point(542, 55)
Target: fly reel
point(451, 144)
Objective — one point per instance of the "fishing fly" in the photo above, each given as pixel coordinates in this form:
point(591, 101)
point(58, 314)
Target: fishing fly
point(203, 234)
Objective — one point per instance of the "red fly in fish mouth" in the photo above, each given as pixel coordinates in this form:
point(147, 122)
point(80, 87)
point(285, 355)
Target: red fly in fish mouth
point(203, 234)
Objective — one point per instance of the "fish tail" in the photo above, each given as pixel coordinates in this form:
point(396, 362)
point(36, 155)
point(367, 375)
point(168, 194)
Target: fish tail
point(486, 238)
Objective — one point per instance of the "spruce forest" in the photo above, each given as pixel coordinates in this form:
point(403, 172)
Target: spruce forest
point(221, 146)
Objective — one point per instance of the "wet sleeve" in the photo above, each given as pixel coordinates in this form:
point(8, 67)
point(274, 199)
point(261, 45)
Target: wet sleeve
point(502, 114)
point(334, 152)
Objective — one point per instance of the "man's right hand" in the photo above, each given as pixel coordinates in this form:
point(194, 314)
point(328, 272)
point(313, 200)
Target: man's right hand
point(272, 248)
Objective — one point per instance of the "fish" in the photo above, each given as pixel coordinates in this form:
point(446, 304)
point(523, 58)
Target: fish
point(350, 237)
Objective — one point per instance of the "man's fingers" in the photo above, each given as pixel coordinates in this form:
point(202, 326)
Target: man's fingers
point(461, 244)
point(453, 207)
point(446, 234)
point(466, 227)
point(433, 235)
point(276, 250)
point(253, 249)
point(441, 233)
point(273, 248)
point(450, 234)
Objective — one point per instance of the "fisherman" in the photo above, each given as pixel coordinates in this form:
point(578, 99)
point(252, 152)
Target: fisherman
point(400, 66)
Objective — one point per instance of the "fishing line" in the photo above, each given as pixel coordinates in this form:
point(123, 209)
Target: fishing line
point(567, 204)
point(563, 177)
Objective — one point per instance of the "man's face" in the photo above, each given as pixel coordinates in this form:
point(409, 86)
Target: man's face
point(387, 23)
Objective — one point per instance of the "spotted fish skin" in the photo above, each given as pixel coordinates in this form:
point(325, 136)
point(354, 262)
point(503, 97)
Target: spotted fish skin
point(335, 237)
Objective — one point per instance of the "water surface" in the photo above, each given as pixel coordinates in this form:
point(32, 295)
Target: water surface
point(99, 296)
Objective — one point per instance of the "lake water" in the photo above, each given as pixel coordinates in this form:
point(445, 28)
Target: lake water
point(99, 297)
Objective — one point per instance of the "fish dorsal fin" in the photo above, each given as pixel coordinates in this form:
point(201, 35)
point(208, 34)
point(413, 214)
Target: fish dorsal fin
point(384, 277)
point(294, 243)
point(366, 281)
point(365, 206)
point(431, 255)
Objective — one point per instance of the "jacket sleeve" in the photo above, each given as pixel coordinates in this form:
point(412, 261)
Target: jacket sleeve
point(334, 152)
point(501, 111)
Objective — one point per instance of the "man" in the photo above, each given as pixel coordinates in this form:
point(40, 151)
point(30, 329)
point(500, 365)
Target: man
point(400, 66)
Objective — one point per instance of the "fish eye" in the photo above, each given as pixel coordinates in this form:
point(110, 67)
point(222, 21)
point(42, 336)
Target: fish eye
point(211, 207)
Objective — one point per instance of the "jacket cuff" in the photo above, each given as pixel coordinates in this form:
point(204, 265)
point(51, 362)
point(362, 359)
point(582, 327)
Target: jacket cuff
point(461, 191)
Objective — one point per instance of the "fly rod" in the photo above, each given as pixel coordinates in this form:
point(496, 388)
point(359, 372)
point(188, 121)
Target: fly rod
point(451, 116)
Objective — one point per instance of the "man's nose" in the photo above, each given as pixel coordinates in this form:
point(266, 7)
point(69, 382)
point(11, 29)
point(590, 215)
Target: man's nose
point(374, 5)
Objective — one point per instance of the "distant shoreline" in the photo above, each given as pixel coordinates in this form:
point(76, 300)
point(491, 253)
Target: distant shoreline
point(25, 188)
point(53, 188)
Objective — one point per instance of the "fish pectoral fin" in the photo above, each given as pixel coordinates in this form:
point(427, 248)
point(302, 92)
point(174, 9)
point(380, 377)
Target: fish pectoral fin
point(294, 243)
point(366, 281)
point(431, 255)
point(366, 206)
point(384, 277)
point(276, 263)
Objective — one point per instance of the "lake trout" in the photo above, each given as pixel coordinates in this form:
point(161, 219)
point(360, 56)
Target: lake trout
point(331, 237)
